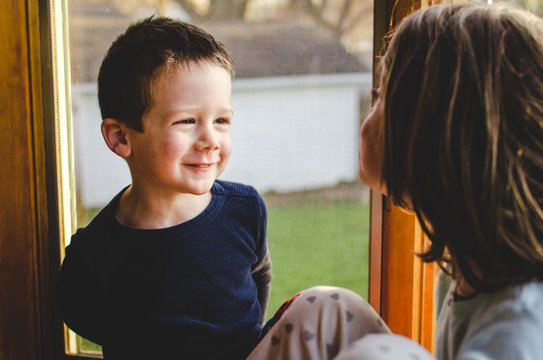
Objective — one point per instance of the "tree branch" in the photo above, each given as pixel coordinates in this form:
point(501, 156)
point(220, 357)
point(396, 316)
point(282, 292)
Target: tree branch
point(189, 7)
point(348, 25)
point(345, 9)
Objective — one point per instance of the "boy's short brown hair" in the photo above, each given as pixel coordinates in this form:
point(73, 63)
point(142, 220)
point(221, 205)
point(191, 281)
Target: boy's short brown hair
point(136, 57)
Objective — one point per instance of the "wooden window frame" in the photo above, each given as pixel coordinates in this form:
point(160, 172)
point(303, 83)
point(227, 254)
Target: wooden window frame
point(400, 289)
point(30, 327)
point(401, 286)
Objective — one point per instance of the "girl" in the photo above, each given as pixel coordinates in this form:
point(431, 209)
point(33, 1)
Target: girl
point(455, 135)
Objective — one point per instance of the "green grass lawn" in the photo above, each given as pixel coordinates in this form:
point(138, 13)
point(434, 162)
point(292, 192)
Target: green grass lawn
point(318, 245)
point(310, 244)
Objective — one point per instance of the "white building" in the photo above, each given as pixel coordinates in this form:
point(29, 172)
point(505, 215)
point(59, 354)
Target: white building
point(296, 101)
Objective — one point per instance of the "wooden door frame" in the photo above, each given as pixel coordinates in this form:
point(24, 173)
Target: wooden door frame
point(30, 327)
point(401, 286)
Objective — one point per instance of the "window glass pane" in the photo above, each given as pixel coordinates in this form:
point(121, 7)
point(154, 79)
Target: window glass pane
point(535, 6)
point(303, 78)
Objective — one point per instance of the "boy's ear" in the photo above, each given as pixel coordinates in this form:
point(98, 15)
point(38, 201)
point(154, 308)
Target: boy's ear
point(115, 135)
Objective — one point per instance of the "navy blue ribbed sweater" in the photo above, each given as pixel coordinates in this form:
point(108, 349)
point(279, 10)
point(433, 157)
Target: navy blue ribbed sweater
point(197, 290)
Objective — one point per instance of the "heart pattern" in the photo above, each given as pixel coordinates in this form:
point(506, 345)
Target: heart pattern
point(308, 335)
point(314, 337)
point(288, 328)
point(331, 351)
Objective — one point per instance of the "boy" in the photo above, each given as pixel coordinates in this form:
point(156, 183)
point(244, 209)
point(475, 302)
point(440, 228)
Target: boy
point(176, 265)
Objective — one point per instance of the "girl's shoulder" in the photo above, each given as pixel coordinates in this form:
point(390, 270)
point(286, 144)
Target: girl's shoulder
point(506, 324)
point(523, 298)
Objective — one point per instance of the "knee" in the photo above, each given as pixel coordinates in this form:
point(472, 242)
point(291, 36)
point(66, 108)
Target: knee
point(342, 304)
point(333, 293)
point(384, 347)
point(334, 296)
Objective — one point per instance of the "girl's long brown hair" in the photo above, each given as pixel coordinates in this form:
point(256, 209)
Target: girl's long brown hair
point(463, 92)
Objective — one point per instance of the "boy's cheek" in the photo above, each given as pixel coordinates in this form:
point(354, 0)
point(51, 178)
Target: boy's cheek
point(226, 148)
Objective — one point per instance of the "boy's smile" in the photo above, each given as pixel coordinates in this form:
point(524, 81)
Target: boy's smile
point(186, 143)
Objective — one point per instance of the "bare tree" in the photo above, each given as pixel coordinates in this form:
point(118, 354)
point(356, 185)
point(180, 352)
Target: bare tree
point(223, 9)
point(338, 15)
point(532, 5)
point(228, 9)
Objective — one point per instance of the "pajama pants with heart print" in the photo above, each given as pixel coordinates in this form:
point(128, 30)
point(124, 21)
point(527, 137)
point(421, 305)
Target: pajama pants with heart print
point(332, 323)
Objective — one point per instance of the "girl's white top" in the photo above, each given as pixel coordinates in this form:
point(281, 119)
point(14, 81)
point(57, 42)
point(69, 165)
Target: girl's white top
point(505, 325)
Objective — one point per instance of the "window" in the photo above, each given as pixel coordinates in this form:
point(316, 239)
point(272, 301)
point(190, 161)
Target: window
point(303, 79)
point(30, 264)
point(531, 5)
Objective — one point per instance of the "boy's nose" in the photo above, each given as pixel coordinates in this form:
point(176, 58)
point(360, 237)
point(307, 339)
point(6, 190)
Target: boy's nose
point(207, 139)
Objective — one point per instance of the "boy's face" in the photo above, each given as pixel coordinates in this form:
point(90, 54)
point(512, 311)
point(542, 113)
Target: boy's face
point(186, 143)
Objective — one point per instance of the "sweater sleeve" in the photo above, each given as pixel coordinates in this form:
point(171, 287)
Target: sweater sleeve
point(77, 298)
point(262, 273)
point(262, 276)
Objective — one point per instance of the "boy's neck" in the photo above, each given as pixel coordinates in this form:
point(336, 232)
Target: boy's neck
point(153, 211)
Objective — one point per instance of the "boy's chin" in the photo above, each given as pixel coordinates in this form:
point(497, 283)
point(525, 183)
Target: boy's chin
point(201, 193)
point(201, 190)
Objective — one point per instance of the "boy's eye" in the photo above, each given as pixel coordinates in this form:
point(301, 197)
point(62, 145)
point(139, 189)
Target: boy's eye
point(374, 94)
point(185, 121)
point(222, 121)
